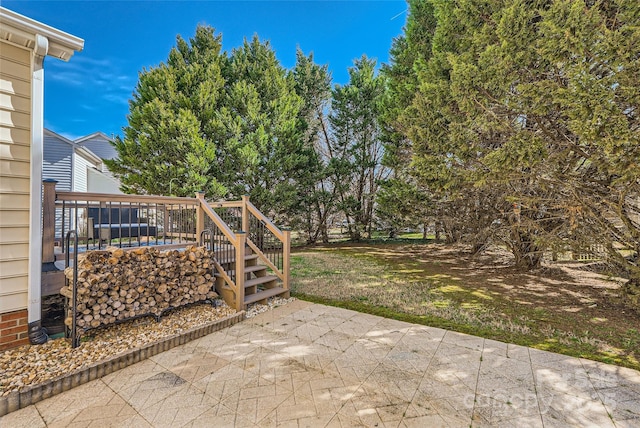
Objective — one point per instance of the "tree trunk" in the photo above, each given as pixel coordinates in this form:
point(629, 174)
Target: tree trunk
point(438, 228)
point(632, 292)
point(527, 255)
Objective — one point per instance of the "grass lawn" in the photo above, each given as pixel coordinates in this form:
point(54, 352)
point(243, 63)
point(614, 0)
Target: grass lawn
point(563, 308)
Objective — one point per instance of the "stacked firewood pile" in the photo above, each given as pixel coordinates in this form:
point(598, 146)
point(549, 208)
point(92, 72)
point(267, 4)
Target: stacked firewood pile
point(114, 284)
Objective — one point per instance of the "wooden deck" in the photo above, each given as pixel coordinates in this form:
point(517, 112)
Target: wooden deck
point(246, 271)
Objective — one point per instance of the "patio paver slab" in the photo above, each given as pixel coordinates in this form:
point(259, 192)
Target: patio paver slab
point(308, 365)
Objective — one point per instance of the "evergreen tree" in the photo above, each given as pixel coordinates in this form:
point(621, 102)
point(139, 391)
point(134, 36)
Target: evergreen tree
point(168, 144)
point(357, 150)
point(525, 121)
point(587, 104)
point(260, 147)
point(402, 200)
point(226, 124)
point(313, 85)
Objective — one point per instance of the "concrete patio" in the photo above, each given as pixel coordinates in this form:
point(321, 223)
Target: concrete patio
point(309, 365)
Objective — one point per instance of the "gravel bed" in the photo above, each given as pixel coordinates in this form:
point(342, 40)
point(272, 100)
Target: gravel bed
point(33, 364)
point(274, 302)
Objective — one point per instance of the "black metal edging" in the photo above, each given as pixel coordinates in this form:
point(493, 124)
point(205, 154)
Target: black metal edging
point(75, 340)
point(73, 334)
point(35, 393)
point(203, 236)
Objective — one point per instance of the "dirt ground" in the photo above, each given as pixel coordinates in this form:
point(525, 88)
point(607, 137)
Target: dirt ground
point(564, 306)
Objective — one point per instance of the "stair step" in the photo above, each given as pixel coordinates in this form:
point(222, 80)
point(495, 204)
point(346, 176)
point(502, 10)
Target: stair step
point(264, 294)
point(247, 269)
point(259, 280)
point(233, 260)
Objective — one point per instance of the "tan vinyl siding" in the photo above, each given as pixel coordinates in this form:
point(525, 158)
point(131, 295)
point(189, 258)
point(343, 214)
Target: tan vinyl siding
point(13, 251)
point(14, 87)
point(12, 185)
point(16, 266)
point(12, 285)
point(15, 199)
point(15, 217)
point(15, 153)
point(16, 119)
point(13, 168)
point(13, 300)
point(14, 134)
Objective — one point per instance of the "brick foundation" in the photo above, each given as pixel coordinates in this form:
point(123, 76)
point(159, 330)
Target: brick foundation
point(14, 329)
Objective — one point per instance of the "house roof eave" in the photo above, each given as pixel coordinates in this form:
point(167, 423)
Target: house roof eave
point(24, 31)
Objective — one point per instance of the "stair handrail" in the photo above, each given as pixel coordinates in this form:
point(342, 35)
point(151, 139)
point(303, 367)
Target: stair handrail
point(238, 242)
point(224, 228)
point(283, 236)
point(258, 214)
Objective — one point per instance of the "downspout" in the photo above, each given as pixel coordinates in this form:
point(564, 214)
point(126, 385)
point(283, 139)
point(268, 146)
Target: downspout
point(37, 335)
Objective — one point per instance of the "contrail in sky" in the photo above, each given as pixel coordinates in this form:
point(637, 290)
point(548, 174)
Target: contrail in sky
point(398, 15)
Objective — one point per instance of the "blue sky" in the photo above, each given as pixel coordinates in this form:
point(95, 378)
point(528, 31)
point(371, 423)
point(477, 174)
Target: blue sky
point(90, 93)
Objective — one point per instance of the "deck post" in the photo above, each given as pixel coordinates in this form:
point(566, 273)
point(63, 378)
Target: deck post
point(240, 252)
point(48, 220)
point(199, 214)
point(286, 260)
point(245, 214)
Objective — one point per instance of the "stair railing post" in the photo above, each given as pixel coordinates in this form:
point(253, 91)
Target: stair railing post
point(48, 220)
point(240, 276)
point(245, 214)
point(286, 260)
point(200, 213)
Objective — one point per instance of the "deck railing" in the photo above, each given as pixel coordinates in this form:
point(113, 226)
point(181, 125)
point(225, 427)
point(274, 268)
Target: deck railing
point(130, 221)
point(252, 230)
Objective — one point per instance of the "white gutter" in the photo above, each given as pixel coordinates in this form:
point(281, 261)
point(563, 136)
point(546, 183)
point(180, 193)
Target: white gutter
point(43, 41)
point(22, 30)
point(34, 306)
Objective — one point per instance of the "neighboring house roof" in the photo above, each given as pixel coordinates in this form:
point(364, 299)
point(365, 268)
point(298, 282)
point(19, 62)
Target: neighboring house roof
point(83, 151)
point(92, 160)
point(89, 155)
point(99, 144)
point(58, 136)
point(92, 136)
point(44, 40)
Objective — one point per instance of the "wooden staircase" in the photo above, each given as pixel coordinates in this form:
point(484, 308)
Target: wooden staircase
point(259, 283)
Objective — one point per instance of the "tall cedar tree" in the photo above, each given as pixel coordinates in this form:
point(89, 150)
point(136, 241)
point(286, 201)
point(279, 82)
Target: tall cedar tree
point(317, 203)
point(226, 124)
point(357, 149)
point(533, 106)
point(402, 200)
point(168, 146)
point(258, 129)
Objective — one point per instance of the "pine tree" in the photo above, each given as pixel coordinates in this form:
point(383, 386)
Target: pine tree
point(525, 120)
point(402, 200)
point(260, 146)
point(317, 204)
point(167, 144)
point(357, 150)
point(228, 124)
